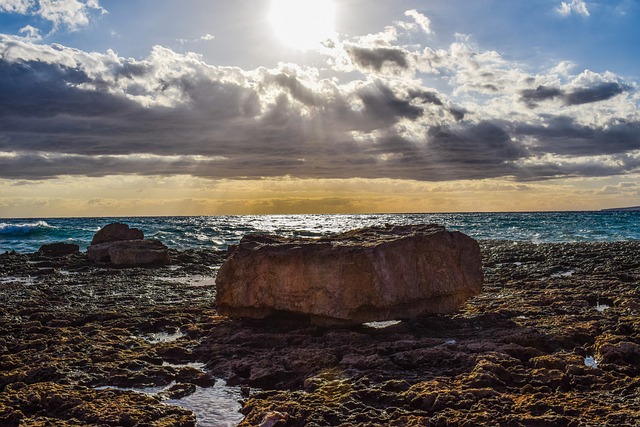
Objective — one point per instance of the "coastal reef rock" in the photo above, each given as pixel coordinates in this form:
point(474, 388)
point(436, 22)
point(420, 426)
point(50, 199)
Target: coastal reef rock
point(370, 274)
point(58, 249)
point(128, 250)
point(116, 232)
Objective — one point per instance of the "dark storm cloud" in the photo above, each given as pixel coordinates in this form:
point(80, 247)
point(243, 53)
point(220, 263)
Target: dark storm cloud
point(430, 97)
point(376, 58)
point(382, 104)
point(485, 143)
point(297, 90)
point(563, 136)
point(75, 113)
point(541, 93)
point(457, 113)
point(42, 108)
point(425, 96)
point(599, 92)
point(586, 95)
point(44, 90)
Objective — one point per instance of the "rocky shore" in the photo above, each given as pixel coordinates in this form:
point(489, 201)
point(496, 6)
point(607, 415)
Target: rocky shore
point(553, 340)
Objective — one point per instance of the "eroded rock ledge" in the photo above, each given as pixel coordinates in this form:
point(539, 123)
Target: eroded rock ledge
point(370, 274)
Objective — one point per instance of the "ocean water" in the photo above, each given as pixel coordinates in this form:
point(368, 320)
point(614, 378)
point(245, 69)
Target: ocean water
point(27, 235)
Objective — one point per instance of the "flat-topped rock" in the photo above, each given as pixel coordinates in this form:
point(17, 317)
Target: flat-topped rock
point(370, 274)
point(59, 249)
point(129, 253)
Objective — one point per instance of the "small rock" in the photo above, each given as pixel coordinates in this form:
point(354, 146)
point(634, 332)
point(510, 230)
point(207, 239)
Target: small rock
point(177, 391)
point(274, 418)
point(58, 249)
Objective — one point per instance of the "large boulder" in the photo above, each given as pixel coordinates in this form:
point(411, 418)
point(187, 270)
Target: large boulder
point(130, 253)
point(116, 232)
point(371, 274)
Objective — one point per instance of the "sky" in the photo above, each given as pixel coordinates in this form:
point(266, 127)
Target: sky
point(211, 107)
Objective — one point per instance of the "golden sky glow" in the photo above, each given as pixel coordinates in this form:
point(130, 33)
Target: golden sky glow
point(123, 196)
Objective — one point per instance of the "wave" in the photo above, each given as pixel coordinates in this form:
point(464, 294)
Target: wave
point(8, 229)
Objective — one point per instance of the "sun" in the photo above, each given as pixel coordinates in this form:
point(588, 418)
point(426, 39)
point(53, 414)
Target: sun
point(302, 24)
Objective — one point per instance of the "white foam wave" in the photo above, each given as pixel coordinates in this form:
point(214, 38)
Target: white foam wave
point(8, 229)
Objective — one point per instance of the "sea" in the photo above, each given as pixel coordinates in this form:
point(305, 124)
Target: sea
point(187, 232)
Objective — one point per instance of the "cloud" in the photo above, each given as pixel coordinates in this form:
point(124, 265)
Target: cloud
point(64, 111)
point(16, 6)
point(376, 58)
point(71, 14)
point(205, 37)
point(30, 33)
point(578, 7)
point(599, 92)
point(584, 95)
point(565, 137)
point(531, 97)
point(421, 21)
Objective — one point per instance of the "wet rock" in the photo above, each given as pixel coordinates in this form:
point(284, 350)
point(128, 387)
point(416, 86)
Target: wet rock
point(372, 274)
point(177, 391)
point(137, 253)
point(274, 419)
point(618, 350)
point(521, 353)
point(122, 246)
point(58, 249)
point(130, 253)
point(50, 404)
point(116, 232)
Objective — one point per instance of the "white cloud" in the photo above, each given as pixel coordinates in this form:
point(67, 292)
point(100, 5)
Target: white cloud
point(72, 14)
point(30, 33)
point(423, 22)
point(16, 6)
point(204, 38)
point(575, 6)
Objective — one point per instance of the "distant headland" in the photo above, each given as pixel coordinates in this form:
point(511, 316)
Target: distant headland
point(630, 208)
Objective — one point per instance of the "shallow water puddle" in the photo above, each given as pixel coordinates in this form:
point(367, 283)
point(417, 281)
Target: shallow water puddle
point(216, 406)
point(160, 337)
point(382, 324)
point(567, 273)
point(602, 307)
point(194, 281)
point(591, 362)
point(15, 279)
point(195, 365)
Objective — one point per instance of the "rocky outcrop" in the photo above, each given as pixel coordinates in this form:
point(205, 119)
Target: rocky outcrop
point(128, 249)
point(58, 249)
point(116, 232)
point(536, 348)
point(371, 274)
